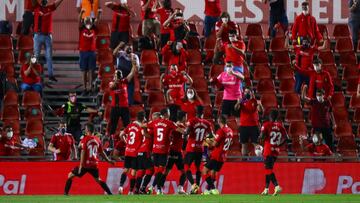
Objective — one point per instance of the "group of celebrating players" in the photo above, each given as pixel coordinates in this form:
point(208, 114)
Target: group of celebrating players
point(154, 147)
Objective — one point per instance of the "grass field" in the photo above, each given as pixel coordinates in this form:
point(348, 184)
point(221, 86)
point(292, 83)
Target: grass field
point(186, 199)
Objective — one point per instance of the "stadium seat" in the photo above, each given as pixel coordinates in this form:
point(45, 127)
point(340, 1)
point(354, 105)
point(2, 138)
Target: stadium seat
point(31, 98)
point(356, 117)
point(193, 42)
point(15, 124)
point(354, 101)
point(294, 114)
point(6, 57)
point(218, 100)
point(346, 143)
point(134, 110)
point(341, 31)
point(106, 70)
point(344, 45)
point(103, 29)
point(209, 45)
point(287, 86)
point(350, 72)
point(10, 113)
point(265, 86)
point(327, 58)
point(156, 98)
point(348, 58)
point(297, 128)
point(194, 57)
point(343, 129)
point(269, 101)
point(291, 100)
point(24, 55)
point(9, 69)
point(107, 112)
point(151, 71)
point(208, 115)
point(277, 45)
point(11, 99)
point(149, 57)
point(152, 84)
point(106, 99)
point(34, 127)
point(262, 71)
point(256, 44)
point(102, 42)
point(323, 28)
point(338, 100)
point(205, 98)
point(331, 68)
point(284, 72)
point(196, 71)
point(340, 115)
point(104, 84)
point(258, 58)
point(39, 150)
point(105, 56)
point(349, 155)
point(351, 86)
point(33, 113)
point(254, 30)
point(200, 84)
point(215, 70)
point(25, 42)
point(6, 42)
point(280, 58)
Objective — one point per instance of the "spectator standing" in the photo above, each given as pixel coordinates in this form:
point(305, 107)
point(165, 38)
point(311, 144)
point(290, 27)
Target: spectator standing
point(277, 17)
point(43, 32)
point(164, 11)
point(150, 25)
point(322, 116)
point(190, 102)
point(317, 148)
point(223, 26)
point(120, 29)
point(176, 53)
point(177, 25)
point(354, 20)
point(212, 15)
point(31, 75)
point(28, 17)
point(91, 7)
point(62, 144)
point(126, 59)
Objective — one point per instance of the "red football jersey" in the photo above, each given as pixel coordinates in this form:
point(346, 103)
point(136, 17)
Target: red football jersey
point(43, 18)
point(161, 130)
point(134, 136)
point(249, 115)
point(190, 108)
point(177, 140)
point(120, 94)
point(92, 146)
point(148, 13)
point(319, 150)
point(232, 55)
point(223, 138)
point(175, 83)
point(64, 143)
point(164, 15)
point(199, 128)
point(274, 134)
point(146, 145)
point(120, 19)
point(87, 39)
point(225, 34)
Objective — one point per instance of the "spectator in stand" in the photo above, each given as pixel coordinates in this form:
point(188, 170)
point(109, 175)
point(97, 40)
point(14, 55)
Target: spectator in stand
point(249, 120)
point(305, 26)
point(9, 146)
point(176, 54)
point(277, 17)
point(322, 116)
point(91, 7)
point(120, 29)
point(126, 59)
point(172, 84)
point(318, 79)
point(222, 28)
point(62, 144)
point(231, 81)
point(87, 48)
point(304, 58)
point(212, 15)
point(189, 103)
point(31, 75)
point(28, 17)
point(317, 148)
point(164, 10)
point(72, 114)
point(354, 21)
point(150, 25)
point(178, 26)
point(43, 32)
point(120, 102)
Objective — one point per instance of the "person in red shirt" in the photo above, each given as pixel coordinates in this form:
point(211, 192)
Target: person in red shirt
point(178, 26)
point(91, 149)
point(133, 135)
point(87, 48)
point(150, 25)
point(273, 135)
point(164, 10)
point(249, 120)
point(221, 144)
point(175, 53)
point(189, 103)
point(31, 75)
point(222, 28)
point(317, 148)
point(119, 102)
point(305, 26)
point(62, 144)
point(9, 144)
point(196, 132)
point(43, 32)
point(120, 28)
point(212, 14)
point(172, 85)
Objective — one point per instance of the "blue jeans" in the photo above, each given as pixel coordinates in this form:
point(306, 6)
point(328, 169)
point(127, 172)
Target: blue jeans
point(277, 19)
point(46, 40)
point(130, 90)
point(36, 87)
point(354, 25)
point(299, 80)
point(209, 25)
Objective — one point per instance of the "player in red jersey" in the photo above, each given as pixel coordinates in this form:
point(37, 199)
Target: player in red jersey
point(62, 144)
point(273, 135)
point(91, 148)
point(197, 130)
point(133, 136)
point(161, 130)
point(221, 144)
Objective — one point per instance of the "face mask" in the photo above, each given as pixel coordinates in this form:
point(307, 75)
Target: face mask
point(317, 68)
point(232, 39)
point(73, 99)
point(224, 20)
point(315, 139)
point(33, 60)
point(88, 26)
point(63, 131)
point(44, 2)
point(123, 1)
point(128, 51)
point(9, 134)
point(190, 95)
point(305, 10)
point(320, 98)
point(173, 72)
point(228, 69)
point(248, 96)
point(178, 46)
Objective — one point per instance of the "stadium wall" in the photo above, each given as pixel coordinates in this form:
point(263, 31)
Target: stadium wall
point(242, 11)
point(45, 178)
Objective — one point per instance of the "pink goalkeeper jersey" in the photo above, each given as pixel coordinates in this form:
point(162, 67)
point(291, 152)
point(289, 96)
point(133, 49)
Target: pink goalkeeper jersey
point(231, 86)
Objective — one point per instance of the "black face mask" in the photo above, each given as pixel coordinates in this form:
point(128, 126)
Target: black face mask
point(248, 96)
point(44, 2)
point(128, 51)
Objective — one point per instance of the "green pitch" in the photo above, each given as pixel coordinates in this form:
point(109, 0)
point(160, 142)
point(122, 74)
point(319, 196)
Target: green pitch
point(185, 199)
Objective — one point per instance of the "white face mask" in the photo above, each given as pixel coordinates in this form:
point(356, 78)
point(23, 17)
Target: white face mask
point(305, 12)
point(228, 69)
point(123, 1)
point(315, 139)
point(179, 46)
point(232, 39)
point(9, 135)
point(224, 20)
point(320, 98)
point(190, 95)
point(317, 68)
point(88, 26)
point(33, 60)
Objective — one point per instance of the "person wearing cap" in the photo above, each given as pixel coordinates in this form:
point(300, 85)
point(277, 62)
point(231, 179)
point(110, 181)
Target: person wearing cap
point(354, 20)
point(305, 26)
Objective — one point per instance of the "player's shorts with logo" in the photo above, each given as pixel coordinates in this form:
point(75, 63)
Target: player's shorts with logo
point(144, 161)
point(191, 157)
point(94, 172)
point(160, 159)
point(269, 162)
point(130, 162)
point(214, 165)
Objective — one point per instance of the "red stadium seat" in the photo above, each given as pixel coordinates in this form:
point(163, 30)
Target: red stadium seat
point(331, 68)
point(253, 30)
point(9, 70)
point(138, 97)
point(103, 29)
point(106, 99)
point(218, 99)
point(351, 86)
point(134, 110)
point(348, 58)
point(25, 42)
point(152, 84)
point(297, 128)
point(106, 71)
point(277, 44)
point(350, 72)
point(205, 98)
point(346, 143)
point(338, 99)
point(6, 57)
point(6, 42)
point(284, 72)
point(194, 56)
point(356, 118)
point(291, 100)
point(156, 98)
point(262, 71)
point(102, 42)
point(349, 155)
point(196, 71)
point(280, 58)
point(193, 42)
point(31, 98)
point(265, 86)
point(11, 99)
point(344, 45)
point(269, 101)
point(208, 115)
point(327, 58)
point(294, 114)
point(15, 124)
point(34, 127)
point(10, 113)
point(354, 101)
point(151, 71)
point(258, 58)
point(323, 28)
point(215, 70)
point(341, 31)
point(107, 112)
point(105, 56)
point(104, 85)
point(24, 55)
point(340, 115)
point(33, 113)
point(209, 45)
point(256, 44)
point(200, 84)
point(287, 86)
point(149, 57)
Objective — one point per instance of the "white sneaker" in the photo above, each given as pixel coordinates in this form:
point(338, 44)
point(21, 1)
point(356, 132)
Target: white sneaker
point(214, 192)
point(121, 190)
point(277, 190)
point(265, 192)
point(180, 190)
point(131, 193)
point(159, 192)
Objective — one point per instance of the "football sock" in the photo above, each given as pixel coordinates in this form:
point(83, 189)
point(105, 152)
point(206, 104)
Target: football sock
point(182, 179)
point(210, 183)
point(122, 179)
point(198, 177)
point(68, 186)
point(105, 187)
point(146, 181)
point(190, 177)
point(267, 181)
point(139, 177)
point(273, 179)
point(163, 179)
point(132, 183)
point(158, 179)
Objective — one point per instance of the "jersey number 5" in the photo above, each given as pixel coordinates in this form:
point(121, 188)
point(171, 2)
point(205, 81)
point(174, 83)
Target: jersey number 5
point(160, 134)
